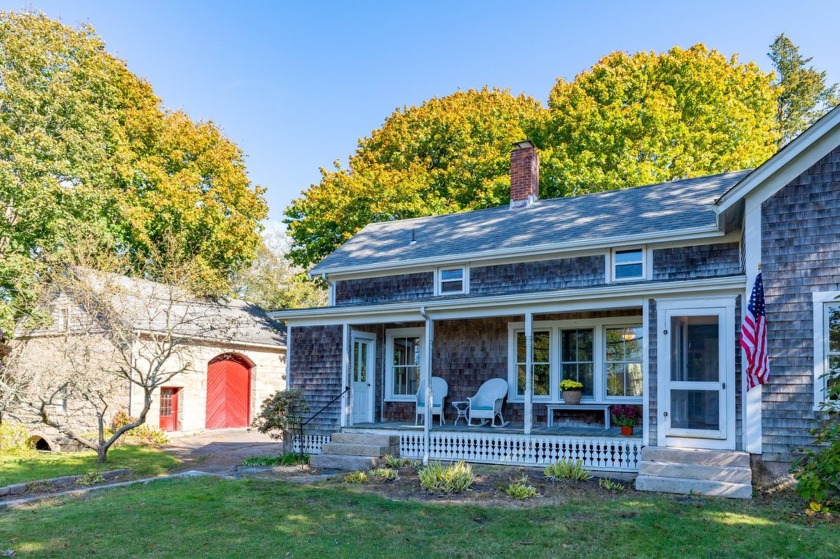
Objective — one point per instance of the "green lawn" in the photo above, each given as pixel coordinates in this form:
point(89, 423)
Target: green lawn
point(42, 465)
point(209, 517)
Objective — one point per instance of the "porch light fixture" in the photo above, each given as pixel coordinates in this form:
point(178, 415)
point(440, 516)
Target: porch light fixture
point(629, 335)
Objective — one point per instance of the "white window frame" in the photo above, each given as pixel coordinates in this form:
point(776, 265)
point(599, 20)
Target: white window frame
point(621, 399)
point(465, 280)
point(389, 361)
point(822, 301)
point(644, 253)
point(599, 325)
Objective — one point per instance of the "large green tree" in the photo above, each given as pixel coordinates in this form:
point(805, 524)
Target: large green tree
point(649, 118)
point(88, 152)
point(802, 93)
point(449, 154)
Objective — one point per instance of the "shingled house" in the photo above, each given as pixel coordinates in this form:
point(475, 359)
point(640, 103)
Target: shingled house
point(637, 293)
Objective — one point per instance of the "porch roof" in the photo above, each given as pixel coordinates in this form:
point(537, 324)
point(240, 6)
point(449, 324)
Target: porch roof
point(601, 219)
point(590, 298)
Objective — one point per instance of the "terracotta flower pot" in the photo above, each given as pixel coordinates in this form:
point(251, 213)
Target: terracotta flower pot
point(571, 396)
point(627, 430)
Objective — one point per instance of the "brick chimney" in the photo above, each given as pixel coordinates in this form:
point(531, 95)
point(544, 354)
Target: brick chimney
point(524, 175)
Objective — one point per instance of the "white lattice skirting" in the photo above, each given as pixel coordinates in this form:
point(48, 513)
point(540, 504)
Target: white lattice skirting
point(597, 453)
point(601, 453)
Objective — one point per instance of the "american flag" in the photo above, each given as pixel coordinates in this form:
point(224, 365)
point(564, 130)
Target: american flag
point(754, 336)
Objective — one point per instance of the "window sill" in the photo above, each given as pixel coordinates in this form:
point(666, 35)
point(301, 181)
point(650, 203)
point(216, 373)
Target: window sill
point(401, 399)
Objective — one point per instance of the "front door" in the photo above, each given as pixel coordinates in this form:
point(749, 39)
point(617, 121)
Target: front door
point(696, 369)
point(169, 409)
point(362, 376)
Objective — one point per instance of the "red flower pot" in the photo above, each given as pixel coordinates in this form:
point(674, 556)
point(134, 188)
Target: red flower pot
point(627, 430)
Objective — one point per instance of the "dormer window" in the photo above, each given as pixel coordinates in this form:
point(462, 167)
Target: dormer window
point(452, 280)
point(628, 264)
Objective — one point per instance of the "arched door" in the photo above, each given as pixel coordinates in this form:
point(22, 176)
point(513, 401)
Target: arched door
point(228, 392)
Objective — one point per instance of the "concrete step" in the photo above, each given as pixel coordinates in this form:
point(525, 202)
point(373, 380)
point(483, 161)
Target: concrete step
point(703, 457)
point(355, 449)
point(365, 438)
point(694, 486)
point(339, 462)
point(730, 474)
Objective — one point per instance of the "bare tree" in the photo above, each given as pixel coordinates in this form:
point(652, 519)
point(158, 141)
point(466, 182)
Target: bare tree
point(108, 336)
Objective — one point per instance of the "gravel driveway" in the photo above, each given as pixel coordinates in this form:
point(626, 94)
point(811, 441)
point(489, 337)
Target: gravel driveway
point(219, 451)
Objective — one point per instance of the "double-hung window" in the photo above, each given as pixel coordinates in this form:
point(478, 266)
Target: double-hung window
point(451, 281)
point(623, 361)
point(628, 264)
point(404, 358)
point(578, 358)
point(827, 349)
point(541, 359)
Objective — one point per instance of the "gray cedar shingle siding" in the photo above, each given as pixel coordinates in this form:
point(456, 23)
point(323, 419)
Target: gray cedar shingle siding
point(402, 287)
point(800, 255)
point(652, 372)
point(315, 368)
point(584, 271)
point(695, 262)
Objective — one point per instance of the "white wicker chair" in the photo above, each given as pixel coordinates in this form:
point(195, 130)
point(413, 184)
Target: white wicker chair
point(440, 390)
point(487, 403)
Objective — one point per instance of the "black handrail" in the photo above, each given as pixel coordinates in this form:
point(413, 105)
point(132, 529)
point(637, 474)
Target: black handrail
point(316, 414)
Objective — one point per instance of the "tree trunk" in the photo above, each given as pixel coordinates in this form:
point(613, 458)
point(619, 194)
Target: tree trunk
point(102, 452)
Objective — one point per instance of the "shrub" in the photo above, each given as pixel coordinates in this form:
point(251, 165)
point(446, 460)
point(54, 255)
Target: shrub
point(817, 471)
point(567, 469)
point(396, 463)
point(14, 438)
point(281, 415)
point(91, 478)
point(383, 474)
point(285, 459)
point(610, 485)
point(520, 489)
point(356, 477)
point(453, 478)
point(143, 435)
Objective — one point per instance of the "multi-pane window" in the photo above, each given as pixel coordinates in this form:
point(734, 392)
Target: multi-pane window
point(541, 359)
point(405, 365)
point(623, 361)
point(451, 281)
point(577, 360)
point(628, 264)
point(832, 337)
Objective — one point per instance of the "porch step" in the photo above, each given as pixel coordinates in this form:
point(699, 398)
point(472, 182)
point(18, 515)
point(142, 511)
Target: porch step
point(705, 472)
point(352, 449)
point(365, 438)
point(694, 486)
point(341, 462)
point(355, 451)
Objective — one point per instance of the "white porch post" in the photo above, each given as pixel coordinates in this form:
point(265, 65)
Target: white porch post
point(529, 371)
point(346, 401)
point(426, 372)
point(751, 401)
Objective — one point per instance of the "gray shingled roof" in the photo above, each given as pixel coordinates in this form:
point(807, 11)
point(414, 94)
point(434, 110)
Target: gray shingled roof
point(659, 208)
point(155, 307)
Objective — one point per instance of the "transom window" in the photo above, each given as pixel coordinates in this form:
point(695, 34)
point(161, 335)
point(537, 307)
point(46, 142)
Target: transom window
point(541, 359)
point(628, 264)
point(605, 355)
point(623, 361)
point(404, 357)
point(452, 280)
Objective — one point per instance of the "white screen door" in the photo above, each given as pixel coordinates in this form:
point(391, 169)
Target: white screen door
point(697, 377)
point(362, 376)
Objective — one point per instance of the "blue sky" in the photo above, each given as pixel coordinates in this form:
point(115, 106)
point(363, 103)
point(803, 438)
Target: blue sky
point(297, 83)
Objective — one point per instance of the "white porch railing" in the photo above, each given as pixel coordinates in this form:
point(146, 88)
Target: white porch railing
point(311, 443)
point(597, 453)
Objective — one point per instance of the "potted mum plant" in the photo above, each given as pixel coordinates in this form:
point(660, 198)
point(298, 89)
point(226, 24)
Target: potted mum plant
point(625, 417)
point(572, 390)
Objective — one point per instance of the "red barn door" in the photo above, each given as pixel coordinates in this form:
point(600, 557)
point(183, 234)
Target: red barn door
point(228, 393)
